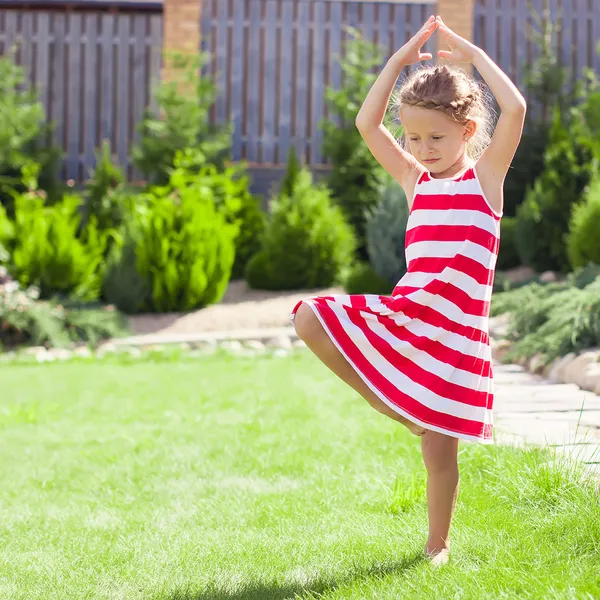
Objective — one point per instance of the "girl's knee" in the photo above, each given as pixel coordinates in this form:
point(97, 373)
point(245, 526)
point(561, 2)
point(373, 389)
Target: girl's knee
point(306, 323)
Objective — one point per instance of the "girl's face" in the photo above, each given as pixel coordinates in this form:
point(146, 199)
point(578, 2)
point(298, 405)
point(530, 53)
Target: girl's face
point(433, 138)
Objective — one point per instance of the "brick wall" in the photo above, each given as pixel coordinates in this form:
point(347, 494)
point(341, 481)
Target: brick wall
point(181, 22)
point(459, 15)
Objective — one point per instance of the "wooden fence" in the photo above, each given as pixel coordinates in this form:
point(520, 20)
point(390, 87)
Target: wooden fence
point(93, 70)
point(506, 30)
point(272, 61)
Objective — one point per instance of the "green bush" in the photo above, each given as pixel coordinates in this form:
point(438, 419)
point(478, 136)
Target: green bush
point(181, 121)
point(356, 180)
point(543, 219)
point(24, 319)
point(386, 234)
point(184, 244)
point(25, 138)
point(362, 279)
point(102, 200)
point(583, 240)
point(123, 285)
point(307, 242)
point(508, 257)
point(45, 250)
point(563, 320)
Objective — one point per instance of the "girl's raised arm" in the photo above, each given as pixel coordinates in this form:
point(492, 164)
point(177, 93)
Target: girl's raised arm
point(401, 165)
point(496, 159)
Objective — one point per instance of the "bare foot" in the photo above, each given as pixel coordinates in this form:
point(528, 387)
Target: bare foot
point(438, 557)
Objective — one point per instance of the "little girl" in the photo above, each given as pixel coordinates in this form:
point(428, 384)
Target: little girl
point(423, 355)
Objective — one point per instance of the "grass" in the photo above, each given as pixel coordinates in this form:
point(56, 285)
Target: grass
point(227, 478)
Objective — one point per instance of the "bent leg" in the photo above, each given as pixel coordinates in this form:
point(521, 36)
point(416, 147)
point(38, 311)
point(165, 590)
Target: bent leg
point(309, 329)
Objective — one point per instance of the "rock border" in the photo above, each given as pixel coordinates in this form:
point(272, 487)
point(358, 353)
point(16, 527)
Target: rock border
point(579, 368)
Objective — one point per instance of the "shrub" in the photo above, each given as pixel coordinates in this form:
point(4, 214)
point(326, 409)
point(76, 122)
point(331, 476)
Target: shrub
point(183, 243)
point(357, 180)
point(123, 285)
point(101, 199)
point(25, 138)
point(543, 219)
point(508, 257)
point(307, 241)
point(362, 279)
point(386, 234)
point(24, 319)
point(564, 320)
point(583, 241)
point(45, 250)
point(181, 121)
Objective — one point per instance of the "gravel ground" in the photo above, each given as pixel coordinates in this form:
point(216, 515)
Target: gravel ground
point(240, 308)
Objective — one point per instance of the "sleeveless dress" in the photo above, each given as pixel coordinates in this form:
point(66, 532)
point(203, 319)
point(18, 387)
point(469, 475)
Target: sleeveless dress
point(425, 350)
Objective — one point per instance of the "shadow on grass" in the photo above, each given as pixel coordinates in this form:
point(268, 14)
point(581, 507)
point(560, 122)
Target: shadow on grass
point(276, 591)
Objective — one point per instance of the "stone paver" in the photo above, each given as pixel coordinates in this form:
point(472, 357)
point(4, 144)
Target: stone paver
point(531, 410)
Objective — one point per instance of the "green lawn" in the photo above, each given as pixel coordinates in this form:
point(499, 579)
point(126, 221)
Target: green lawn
point(260, 479)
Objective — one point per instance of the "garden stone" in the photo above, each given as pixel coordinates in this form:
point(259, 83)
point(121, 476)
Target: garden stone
point(548, 369)
point(548, 277)
point(255, 345)
point(500, 349)
point(83, 352)
point(591, 377)
point(35, 350)
point(536, 364)
point(282, 342)
point(558, 374)
point(575, 370)
point(45, 356)
point(298, 344)
point(231, 346)
point(61, 354)
point(280, 352)
point(134, 351)
point(499, 326)
point(185, 346)
point(105, 349)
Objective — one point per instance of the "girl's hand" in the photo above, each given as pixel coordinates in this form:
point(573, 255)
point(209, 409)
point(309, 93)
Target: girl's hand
point(461, 50)
point(411, 51)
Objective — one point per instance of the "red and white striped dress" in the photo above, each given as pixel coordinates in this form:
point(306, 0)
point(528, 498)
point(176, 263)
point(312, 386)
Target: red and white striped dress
point(425, 350)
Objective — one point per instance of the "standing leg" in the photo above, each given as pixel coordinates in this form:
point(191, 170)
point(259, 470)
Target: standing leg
point(440, 455)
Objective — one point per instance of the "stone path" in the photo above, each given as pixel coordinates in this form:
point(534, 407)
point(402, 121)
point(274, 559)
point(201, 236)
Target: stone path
point(529, 409)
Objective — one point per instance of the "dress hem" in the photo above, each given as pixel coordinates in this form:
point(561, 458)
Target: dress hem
point(383, 397)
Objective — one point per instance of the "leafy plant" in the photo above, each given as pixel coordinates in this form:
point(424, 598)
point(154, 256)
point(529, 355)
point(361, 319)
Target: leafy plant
point(181, 121)
point(543, 219)
point(356, 180)
point(101, 199)
point(386, 234)
point(25, 138)
point(361, 278)
point(307, 242)
point(583, 243)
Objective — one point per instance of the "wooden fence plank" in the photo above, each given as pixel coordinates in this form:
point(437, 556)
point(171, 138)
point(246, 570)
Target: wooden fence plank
point(302, 60)
point(91, 85)
point(74, 96)
point(270, 81)
point(318, 85)
point(42, 57)
point(253, 83)
point(141, 79)
point(122, 89)
point(156, 26)
point(285, 79)
point(58, 112)
point(220, 31)
point(237, 81)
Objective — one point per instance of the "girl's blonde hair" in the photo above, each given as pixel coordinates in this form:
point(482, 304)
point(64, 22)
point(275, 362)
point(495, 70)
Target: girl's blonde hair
point(453, 92)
